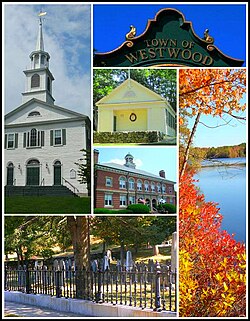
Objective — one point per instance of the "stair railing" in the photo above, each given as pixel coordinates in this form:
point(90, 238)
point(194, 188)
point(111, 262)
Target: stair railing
point(71, 185)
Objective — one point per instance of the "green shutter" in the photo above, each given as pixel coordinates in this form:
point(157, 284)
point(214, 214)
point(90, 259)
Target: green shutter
point(24, 139)
point(64, 136)
point(42, 138)
point(51, 138)
point(16, 140)
point(5, 141)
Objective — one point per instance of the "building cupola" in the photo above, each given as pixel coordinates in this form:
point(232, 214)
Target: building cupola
point(129, 161)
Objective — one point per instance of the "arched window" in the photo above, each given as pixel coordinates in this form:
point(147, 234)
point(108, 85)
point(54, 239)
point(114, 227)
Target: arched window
point(33, 137)
point(35, 81)
point(153, 187)
point(163, 188)
point(131, 183)
point(139, 185)
point(34, 113)
point(159, 188)
point(72, 174)
point(122, 182)
point(146, 186)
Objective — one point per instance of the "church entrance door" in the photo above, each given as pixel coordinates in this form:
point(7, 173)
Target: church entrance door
point(33, 172)
point(10, 174)
point(57, 173)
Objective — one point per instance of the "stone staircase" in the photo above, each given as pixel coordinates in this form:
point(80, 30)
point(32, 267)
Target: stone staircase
point(56, 190)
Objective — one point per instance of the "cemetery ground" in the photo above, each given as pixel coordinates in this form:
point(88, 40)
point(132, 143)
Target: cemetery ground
point(47, 205)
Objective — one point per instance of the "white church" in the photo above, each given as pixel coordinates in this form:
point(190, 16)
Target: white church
point(43, 141)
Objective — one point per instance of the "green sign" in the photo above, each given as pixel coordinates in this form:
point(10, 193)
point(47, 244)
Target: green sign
point(168, 40)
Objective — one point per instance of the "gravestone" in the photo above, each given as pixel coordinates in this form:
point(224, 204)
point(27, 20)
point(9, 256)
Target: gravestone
point(129, 262)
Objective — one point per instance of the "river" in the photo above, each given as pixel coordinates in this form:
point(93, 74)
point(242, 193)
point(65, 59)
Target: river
point(226, 185)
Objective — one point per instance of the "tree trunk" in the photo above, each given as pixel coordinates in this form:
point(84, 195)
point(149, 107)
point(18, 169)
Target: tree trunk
point(79, 230)
point(186, 155)
point(155, 250)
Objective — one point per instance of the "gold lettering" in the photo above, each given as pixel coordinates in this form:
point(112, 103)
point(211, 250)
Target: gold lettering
point(147, 42)
point(152, 53)
point(155, 42)
point(209, 62)
point(185, 44)
point(174, 42)
point(163, 42)
point(132, 58)
point(143, 54)
point(173, 52)
point(199, 56)
point(183, 54)
point(160, 51)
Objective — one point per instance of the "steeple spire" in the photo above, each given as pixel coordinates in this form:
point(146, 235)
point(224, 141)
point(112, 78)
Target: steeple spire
point(39, 43)
point(39, 77)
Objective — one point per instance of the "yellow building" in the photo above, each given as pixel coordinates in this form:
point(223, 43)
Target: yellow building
point(133, 107)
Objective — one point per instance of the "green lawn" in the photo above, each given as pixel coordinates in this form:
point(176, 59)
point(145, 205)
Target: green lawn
point(47, 205)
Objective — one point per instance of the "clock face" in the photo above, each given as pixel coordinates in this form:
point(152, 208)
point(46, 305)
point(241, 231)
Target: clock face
point(133, 117)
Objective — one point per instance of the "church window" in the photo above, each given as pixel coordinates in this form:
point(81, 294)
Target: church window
point(35, 81)
point(146, 186)
point(58, 137)
point(152, 186)
point(163, 188)
point(72, 174)
point(11, 140)
point(33, 138)
point(159, 188)
point(34, 113)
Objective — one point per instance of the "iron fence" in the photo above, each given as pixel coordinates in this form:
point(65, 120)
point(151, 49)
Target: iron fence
point(140, 286)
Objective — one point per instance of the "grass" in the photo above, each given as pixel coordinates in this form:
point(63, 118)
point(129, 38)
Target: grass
point(47, 205)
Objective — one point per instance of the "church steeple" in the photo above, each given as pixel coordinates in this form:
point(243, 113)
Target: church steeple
point(39, 78)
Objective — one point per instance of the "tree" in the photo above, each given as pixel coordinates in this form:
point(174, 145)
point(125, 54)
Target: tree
point(216, 92)
point(84, 170)
point(212, 264)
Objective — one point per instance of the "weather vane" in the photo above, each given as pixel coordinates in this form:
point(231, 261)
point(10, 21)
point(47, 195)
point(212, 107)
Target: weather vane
point(41, 14)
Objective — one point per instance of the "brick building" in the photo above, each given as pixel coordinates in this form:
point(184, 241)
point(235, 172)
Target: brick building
point(117, 186)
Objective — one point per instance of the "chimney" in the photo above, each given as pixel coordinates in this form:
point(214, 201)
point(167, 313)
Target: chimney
point(96, 156)
point(162, 173)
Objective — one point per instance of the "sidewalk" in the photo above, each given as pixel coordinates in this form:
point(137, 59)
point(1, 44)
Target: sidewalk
point(14, 309)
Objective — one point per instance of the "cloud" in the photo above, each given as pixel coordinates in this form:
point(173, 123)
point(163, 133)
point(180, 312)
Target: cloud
point(66, 32)
point(138, 162)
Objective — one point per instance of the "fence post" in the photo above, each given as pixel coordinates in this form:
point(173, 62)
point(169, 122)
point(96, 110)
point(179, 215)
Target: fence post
point(5, 277)
point(157, 287)
point(58, 284)
point(27, 275)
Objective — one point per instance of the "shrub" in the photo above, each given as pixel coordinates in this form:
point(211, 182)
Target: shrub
point(138, 208)
point(109, 211)
point(170, 208)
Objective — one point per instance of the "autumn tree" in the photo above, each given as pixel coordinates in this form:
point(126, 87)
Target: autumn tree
point(212, 264)
point(215, 92)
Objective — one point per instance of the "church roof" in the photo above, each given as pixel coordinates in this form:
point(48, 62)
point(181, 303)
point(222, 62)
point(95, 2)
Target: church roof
point(35, 100)
point(134, 171)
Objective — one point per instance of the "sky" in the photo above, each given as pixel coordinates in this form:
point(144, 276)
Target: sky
point(150, 159)
point(226, 23)
point(67, 39)
point(233, 133)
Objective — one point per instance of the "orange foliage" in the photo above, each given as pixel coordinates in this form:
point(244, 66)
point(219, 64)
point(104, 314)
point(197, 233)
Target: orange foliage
point(212, 91)
point(212, 275)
